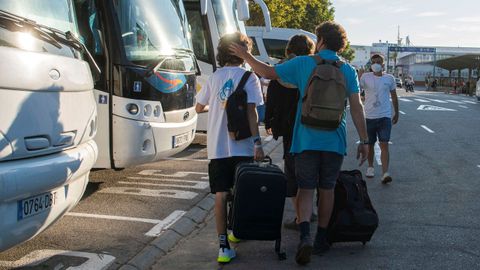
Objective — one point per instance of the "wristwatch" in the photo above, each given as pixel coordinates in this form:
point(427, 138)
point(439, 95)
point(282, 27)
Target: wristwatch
point(363, 141)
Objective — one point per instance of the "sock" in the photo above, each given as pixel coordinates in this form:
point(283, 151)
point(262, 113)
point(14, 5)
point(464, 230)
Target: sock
point(304, 230)
point(321, 234)
point(222, 239)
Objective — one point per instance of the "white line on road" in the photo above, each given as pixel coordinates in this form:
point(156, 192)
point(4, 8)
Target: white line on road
point(167, 193)
point(478, 166)
point(469, 101)
point(438, 100)
point(422, 100)
point(195, 184)
point(404, 99)
point(463, 106)
point(160, 225)
point(402, 112)
point(454, 101)
point(97, 261)
point(427, 129)
point(186, 159)
point(180, 174)
point(378, 154)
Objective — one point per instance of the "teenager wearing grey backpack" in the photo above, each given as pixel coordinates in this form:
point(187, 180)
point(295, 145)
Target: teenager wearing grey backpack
point(319, 137)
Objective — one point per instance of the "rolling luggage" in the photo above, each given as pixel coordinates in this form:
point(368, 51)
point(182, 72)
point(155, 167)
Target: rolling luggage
point(353, 218)
point(256, 209)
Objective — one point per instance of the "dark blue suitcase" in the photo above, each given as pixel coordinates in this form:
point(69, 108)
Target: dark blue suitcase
point(256, 212)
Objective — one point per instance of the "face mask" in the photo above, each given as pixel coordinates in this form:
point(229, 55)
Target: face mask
point(377, 67)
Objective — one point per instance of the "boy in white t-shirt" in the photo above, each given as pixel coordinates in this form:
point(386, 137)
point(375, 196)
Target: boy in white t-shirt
point(224, 152)
point(379, 87)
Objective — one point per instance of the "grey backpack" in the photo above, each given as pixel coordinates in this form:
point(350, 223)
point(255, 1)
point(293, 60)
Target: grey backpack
point(325, 96)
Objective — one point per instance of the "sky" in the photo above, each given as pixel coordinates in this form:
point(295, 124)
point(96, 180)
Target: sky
point(452, 23)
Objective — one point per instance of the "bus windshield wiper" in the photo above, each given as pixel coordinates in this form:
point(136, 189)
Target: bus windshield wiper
point(52, 36)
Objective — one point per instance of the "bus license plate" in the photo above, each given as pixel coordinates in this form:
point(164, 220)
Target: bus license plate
point(180, 139)
point(36, 204)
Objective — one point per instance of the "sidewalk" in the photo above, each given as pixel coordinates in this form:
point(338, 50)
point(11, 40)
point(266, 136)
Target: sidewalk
point(412, 235)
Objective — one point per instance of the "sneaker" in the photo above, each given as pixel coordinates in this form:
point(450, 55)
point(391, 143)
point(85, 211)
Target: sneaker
point(291, 225)
point(225, 255)
point(320, 248)
point(232, 238)
point(304, 251)
point(370, 172)
point(386, 178)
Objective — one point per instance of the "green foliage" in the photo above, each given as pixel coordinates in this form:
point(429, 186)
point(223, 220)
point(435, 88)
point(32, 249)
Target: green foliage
point(300, 14)
point(348, 53)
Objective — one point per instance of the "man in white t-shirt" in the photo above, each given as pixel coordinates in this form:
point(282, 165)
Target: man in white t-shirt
point(223, 151)
point(379, 87)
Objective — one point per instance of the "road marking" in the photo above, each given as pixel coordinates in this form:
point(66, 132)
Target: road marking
point(404, 99)
point(186, 159)
point(402, 112)
point(463, 106)
point(422, 100)
point(180, 174)
point(469, 101)
point(196, 184)
point(167, 193)
point(478, 166)
point(427, 129)
point(438, 100)
point(454, 101)
point(434, 108)
point(97, 261)
point(161, 225)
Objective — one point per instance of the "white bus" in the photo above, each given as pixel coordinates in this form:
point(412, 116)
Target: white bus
point(47, 118)
point(269, 46)
point(209, 20)
point(146, 93)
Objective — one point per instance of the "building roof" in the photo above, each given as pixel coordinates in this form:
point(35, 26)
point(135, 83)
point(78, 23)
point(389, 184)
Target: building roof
point(460, 62)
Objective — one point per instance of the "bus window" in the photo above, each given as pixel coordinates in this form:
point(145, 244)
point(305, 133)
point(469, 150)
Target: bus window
point(199, 36)
point(275, 47)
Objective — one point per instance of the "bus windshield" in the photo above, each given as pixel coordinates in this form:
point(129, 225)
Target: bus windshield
point(57, 14)
point(151, 29)
point(226, 17)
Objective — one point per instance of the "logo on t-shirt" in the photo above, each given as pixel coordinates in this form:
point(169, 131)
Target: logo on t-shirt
point(225, 92)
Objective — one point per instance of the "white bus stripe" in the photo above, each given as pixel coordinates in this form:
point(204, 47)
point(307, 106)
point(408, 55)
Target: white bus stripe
point(427, 129)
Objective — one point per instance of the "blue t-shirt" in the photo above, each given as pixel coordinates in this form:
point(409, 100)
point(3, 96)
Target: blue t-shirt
point(297, 72)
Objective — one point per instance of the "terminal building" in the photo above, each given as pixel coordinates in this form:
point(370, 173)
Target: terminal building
point(449, 62)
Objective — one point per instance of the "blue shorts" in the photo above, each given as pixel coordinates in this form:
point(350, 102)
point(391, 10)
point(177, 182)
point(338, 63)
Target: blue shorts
point(317, 169)
point(381, 128)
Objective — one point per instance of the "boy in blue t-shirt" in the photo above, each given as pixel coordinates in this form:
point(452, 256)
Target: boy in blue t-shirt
point(318, 153)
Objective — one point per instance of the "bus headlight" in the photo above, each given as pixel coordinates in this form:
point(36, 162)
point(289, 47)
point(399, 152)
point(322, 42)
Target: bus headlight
point(132, 108)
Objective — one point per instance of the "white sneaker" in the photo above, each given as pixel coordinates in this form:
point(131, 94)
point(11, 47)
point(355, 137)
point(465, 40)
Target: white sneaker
point(225, 255)
point(370, 172)
point(386, 178)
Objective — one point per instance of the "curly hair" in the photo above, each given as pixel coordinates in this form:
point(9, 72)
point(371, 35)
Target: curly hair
point(300, 45)
point(333, 34)
point(224, 56)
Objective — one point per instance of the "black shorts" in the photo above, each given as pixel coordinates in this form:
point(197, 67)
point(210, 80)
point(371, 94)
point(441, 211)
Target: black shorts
point(289, 169)
point(221, 173)
point(317, 169)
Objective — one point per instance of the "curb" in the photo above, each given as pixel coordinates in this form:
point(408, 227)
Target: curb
point(188, 223)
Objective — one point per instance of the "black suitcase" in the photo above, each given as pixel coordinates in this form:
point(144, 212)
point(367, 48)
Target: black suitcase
point(256, 209)
point(353, 218)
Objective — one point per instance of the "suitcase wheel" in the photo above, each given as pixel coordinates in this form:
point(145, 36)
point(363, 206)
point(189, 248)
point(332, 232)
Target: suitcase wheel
point(282, 256)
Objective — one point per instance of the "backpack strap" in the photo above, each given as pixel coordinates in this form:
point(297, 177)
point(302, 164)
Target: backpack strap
point(243, 81)
point(320, 61)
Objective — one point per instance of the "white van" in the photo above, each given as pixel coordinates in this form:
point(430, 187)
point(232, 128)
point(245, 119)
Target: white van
point(269, 47)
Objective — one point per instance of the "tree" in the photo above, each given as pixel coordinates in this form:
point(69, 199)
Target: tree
point(299, 14)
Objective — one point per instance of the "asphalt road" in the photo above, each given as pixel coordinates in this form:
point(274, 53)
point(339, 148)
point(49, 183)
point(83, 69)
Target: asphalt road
point(429, 214)
point(119, 214)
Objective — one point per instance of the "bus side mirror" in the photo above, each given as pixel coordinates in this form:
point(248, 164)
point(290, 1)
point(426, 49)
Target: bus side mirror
point(203, 6)
point(243, 11)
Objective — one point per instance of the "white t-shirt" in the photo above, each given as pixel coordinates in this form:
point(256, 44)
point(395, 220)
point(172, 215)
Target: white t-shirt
point(215, 94)
point(377, 94)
